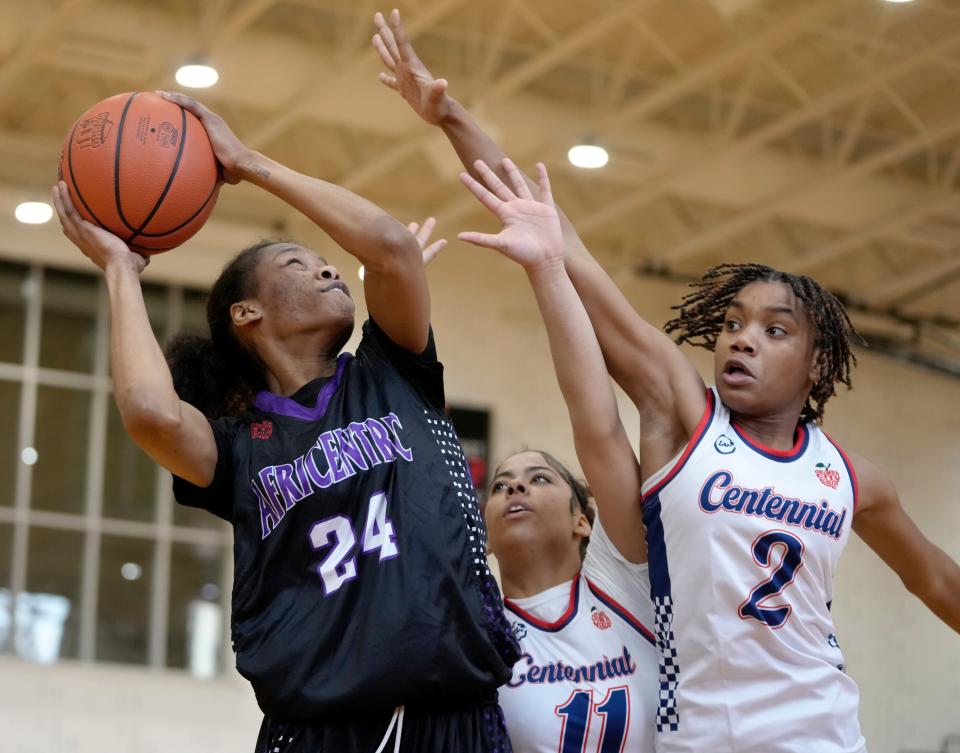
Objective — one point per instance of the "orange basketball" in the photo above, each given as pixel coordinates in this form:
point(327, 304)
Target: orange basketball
point(142, 167)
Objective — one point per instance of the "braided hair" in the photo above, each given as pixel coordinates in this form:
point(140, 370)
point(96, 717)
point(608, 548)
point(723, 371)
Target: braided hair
point(217, 374)
point(702, 313)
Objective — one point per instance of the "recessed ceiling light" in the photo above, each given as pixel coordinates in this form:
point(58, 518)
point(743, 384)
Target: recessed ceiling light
point(33, 212)
point(588, 156)
point(197, 76)
point(131, 571)
point(29, 456)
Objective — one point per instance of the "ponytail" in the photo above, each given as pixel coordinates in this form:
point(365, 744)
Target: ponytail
point(205, 379)
point(217, 374)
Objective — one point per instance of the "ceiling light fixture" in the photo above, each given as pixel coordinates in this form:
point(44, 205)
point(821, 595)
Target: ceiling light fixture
point(588, 156)
point(33, 212)
point(131, 571)
point(197, 76)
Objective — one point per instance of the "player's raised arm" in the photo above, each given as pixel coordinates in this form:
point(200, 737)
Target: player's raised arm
point(642, 359)
point(395, 285)
point(175, 434)
point(925, 569)
point(531, 236)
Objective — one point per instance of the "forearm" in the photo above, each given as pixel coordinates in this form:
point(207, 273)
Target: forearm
point(619, 329)
point(612, 316)
point(357, 225)
point(577, 359)
point(142, 384)
point(942, 596)
point(924, 568)
point(471, 142)
point(602, 446)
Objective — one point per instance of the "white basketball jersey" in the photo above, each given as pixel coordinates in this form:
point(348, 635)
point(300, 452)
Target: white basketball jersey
point(587, 677)
point(743, 543)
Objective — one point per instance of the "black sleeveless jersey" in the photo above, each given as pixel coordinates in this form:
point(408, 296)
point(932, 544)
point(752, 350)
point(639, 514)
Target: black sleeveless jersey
point(361, 580)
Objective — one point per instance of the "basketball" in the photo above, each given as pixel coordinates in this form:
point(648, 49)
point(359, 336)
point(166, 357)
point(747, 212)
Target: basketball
point(143, 168)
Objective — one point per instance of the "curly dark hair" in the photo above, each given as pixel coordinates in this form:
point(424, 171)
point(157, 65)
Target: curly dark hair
point(217, 374)
point(703, 311)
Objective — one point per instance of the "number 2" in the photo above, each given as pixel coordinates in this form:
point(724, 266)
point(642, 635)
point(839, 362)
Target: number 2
point(340, 565)
point(576, 714)
point(335, 569)
point(779, 580)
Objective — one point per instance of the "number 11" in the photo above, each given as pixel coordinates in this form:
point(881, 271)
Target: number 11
point(614, 712)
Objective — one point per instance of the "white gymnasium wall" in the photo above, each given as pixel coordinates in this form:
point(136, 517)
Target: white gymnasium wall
point(906, 661)
point(77, 708)
point(489, 335)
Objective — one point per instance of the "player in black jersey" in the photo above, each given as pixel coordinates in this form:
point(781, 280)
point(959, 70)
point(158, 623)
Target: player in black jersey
point(363, 610)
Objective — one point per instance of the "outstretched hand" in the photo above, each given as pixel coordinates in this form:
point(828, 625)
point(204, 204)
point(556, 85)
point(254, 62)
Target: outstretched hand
point(231, 153)
point(422, 234)
point(100, 246)
point(531, 234)
point(407, 75)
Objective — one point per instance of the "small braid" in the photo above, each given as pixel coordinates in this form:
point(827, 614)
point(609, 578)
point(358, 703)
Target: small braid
point(702, 313)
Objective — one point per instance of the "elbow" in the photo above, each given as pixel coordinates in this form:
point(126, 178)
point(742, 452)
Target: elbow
point(143, 419)
point(399, 245)
point(596, 436)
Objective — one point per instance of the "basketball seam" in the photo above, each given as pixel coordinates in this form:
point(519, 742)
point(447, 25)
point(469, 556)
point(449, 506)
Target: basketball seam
point(73, 179)
point(190, 219)
point(148, 250)
point(160, 235)
point(116, 165)
point(170, 179)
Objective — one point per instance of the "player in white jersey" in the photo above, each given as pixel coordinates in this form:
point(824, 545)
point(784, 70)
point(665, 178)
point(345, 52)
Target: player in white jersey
point(781, 343)
point(587, 674)
point(774, 523)
point(746, 485)
point(586, 679)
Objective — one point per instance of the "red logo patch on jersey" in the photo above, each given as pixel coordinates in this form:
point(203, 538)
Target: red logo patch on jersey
point(261, 430)
point(826, 476)
point(601, 620)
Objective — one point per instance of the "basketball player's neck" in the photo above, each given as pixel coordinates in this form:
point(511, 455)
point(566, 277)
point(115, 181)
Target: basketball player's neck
point(292, 363)
point(777, 430)
point(529, 570)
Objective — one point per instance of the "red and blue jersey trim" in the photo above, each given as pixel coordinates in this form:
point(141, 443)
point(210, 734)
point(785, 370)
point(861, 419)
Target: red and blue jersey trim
point(705, 420)
point(561, 622)
point(780, 456)
point(855, 485)
point(621, 612)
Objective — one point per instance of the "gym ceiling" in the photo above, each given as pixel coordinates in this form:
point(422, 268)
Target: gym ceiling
point(818, 136)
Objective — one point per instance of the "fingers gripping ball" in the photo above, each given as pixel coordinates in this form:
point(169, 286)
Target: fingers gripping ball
point(143, 168)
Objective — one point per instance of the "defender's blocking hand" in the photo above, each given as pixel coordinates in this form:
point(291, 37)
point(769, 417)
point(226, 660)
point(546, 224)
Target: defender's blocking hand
point(407, 75)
